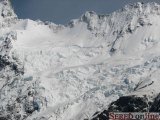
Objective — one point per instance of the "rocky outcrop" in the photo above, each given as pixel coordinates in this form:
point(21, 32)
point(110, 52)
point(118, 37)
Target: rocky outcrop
point(14, 105)
point(156, 105)
point(130, 104)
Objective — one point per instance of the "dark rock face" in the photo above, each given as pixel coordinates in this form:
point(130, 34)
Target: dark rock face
point(31, 106)
point(5, 59)
point(10, 117)
point(11, 71)
point(4, 118)
point(130, 104)
point(156, 105)
point(3, 62)
point(125, 104)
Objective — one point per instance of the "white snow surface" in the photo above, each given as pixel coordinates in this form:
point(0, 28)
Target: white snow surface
point(72, 67)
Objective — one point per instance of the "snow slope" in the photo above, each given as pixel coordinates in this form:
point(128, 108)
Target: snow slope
point(70, 72)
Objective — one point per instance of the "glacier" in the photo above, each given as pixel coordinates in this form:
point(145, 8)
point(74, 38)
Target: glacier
point(69, 72)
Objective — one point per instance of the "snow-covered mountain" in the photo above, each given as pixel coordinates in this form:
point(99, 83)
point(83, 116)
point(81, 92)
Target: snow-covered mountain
point(57, 72)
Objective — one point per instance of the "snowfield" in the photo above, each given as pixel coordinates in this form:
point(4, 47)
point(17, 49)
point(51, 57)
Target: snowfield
point(56, 72)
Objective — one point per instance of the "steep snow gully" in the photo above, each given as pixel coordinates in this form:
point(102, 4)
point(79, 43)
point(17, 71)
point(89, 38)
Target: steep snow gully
point(91, 66)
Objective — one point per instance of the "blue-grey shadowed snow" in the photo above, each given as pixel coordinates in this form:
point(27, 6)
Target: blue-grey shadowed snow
point(62, 11)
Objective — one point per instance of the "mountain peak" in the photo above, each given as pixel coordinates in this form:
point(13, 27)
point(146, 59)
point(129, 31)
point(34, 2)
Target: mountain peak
point(87, 15)
point(137, 13)
point(142, 7)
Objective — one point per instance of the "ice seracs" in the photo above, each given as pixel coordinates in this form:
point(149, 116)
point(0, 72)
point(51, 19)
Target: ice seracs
point(70, 72)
